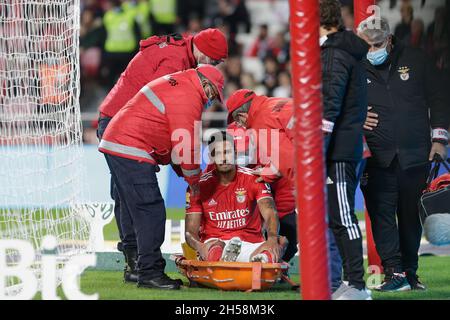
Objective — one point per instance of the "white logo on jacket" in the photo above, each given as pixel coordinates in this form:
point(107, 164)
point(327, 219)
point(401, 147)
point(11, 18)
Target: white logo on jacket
point(404, 73)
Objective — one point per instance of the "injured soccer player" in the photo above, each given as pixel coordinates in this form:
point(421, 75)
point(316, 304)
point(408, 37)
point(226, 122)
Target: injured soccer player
point(221, 223)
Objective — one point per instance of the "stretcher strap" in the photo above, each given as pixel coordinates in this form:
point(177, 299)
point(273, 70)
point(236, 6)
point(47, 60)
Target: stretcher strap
point(256, 276)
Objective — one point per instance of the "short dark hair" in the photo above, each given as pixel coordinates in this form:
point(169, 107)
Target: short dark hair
point(220, 136)
point(330, 14)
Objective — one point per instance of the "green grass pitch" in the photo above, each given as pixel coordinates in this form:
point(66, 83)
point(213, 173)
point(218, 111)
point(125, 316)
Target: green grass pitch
point(434, 272)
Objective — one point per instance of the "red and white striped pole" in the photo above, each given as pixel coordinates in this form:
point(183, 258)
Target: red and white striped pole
point(362, 12)
point(310, 169)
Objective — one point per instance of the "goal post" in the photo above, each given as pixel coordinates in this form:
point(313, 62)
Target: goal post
point(41, 170)
point(309, 154)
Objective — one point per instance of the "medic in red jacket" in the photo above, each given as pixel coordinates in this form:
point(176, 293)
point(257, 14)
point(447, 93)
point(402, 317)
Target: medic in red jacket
point(163, 114)
point(162, 55)
point(246, 153)
point(270, 120)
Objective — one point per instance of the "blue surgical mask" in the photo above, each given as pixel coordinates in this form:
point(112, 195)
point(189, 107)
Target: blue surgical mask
point(209, 103)
point(378, 57)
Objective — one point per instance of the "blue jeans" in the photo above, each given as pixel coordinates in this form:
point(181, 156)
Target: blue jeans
point(335, 262)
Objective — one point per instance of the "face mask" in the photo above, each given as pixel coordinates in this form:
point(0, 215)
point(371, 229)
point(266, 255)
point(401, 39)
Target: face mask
point(209, 103)
point(378, 57)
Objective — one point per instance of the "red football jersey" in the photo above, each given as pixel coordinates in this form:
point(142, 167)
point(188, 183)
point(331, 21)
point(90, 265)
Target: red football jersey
point(229, 211)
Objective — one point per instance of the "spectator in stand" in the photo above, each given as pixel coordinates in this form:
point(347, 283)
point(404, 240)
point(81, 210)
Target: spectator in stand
point(233, 69)
point(189, 10)
point(233, 13)
point(348, 19)
point(248, 81)
point(403, 29)
point(194, 25)
point(418, 34)
point(121, 34)
point(163, 16)
point(280, 48)
point(284, 88)
point(262, 45)
point(271, 74)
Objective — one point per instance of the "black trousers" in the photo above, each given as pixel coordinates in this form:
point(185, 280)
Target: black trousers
point(341, 187)
point(123, 221)
point(392, 196)
point(288, 228)
point(138, 189)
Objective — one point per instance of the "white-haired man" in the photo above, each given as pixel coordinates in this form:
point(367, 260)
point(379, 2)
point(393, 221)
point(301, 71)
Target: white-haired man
point(406, 99)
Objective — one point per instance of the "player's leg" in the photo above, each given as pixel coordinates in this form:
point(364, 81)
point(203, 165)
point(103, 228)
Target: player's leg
point(288, 229)
point(380, 188)
point(336, 265)
point(412, 182)
point(344, 224)
point(215, 252)
point(232, 250)
point(138, 188)
point(127, 243)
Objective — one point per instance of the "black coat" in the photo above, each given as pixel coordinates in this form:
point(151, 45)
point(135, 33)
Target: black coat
point(409, 98)
point(344, 94)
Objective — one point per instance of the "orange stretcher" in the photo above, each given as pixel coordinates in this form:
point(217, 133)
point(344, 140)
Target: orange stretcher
point(229, 276)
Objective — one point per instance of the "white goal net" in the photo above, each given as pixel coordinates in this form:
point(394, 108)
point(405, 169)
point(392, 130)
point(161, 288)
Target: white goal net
point(40, 127)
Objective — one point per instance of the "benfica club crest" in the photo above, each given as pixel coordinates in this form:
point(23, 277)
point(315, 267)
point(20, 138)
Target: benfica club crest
point(404, 73)
point(188, 200)
point(241, 195)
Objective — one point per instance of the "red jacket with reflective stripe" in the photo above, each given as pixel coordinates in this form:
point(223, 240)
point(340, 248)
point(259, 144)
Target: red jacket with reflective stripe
point(157, 57)
point(274, 113)
point(170, 106)
point(283, 190)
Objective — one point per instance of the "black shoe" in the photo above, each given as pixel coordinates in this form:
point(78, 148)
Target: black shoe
point(130, 276)
point(161, 282)
point(414, 282)
point(130, 273)
point(394, 283)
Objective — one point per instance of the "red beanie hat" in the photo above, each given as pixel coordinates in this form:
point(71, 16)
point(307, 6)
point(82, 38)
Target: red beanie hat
point(214, 75)
point(212, 43)
point(237, 99)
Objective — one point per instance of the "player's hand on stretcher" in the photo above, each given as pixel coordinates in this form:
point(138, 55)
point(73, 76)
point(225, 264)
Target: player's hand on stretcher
point(271, 245)
point(203, 248)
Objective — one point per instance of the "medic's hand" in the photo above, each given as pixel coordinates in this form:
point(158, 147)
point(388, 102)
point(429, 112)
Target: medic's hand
point(371, 120)
point(267, 174)
point(438, 148)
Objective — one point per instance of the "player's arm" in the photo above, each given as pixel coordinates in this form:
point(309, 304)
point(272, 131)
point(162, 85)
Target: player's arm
point(269, 213)
point(193, 220)
point(192, 227)
point(267, 208)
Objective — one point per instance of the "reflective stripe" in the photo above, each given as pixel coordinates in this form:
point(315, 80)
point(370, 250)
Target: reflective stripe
point(122, 149)
point(151, 96)
point(190, 173)
point(291, 123)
